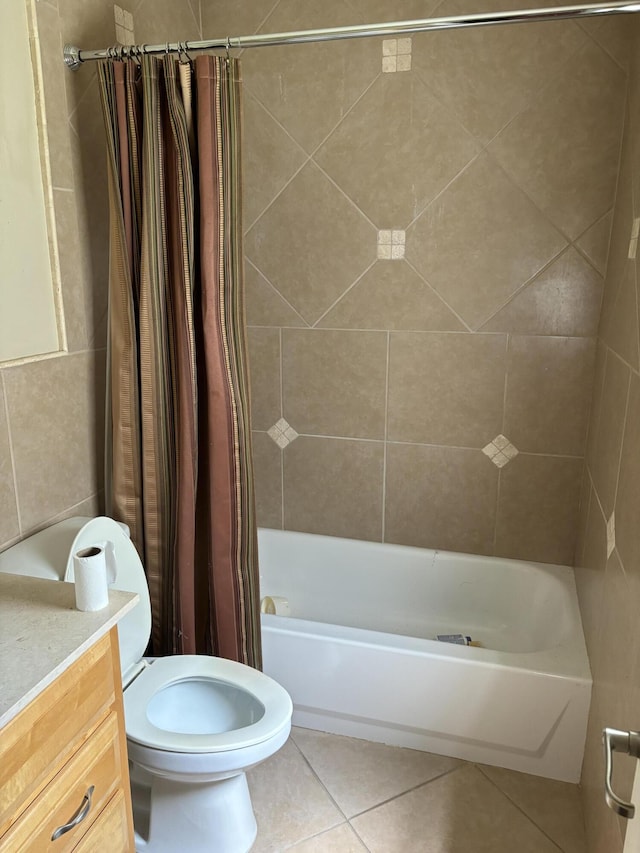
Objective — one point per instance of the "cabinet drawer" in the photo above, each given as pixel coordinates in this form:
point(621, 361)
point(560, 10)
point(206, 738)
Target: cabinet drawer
point(96, 764)
point(110, 831)
point(41, 738)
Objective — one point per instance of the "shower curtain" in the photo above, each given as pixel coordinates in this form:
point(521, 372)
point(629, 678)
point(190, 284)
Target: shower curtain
point(179, 468)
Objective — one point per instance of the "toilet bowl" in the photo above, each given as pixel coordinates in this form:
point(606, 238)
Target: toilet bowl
point(195, 724)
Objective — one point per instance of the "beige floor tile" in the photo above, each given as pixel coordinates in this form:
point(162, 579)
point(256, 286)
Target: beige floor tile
point(342, 839)
point(289, 802)
point(460, 813)
point(359, 774)
point(554, 806)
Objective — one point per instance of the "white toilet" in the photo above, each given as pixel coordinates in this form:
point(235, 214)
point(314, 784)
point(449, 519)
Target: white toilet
point(195, 724)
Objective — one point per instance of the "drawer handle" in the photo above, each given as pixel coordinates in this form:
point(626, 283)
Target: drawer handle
point(79, 816)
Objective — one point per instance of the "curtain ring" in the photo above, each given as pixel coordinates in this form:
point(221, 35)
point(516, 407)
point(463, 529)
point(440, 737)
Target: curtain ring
point(182, 52)
point(228, 48)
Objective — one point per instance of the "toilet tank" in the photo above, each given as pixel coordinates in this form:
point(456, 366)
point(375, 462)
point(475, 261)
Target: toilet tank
point(49, 554)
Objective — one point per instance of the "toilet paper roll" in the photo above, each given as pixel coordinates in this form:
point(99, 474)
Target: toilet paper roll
point(276, 605)
point(90, 578)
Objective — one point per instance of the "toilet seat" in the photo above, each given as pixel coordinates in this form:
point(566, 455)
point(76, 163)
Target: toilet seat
point(164, 672)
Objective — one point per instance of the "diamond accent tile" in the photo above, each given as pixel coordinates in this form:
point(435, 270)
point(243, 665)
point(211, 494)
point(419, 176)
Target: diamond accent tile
point(391, 245)
point(124, 25)
point(500, 451)
point(396, 55)
point(282, 433)
point(611, 534)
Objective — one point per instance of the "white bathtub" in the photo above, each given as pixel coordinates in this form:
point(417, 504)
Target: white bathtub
point(358, 654)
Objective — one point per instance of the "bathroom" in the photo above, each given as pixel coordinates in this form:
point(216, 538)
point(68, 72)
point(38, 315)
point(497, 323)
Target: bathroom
point(534, 337)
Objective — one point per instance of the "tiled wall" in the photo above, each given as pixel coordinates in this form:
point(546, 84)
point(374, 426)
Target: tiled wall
point(608, 553)
point(427, 222)
point(51, 410)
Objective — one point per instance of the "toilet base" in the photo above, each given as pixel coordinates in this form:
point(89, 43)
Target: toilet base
point(170, 816)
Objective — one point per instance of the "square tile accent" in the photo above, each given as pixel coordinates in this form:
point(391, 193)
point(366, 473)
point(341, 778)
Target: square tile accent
point(611, 534)
point(391, 245)
point(282, 433)
point(396, 55)
point(500, 451)
point(124, 25)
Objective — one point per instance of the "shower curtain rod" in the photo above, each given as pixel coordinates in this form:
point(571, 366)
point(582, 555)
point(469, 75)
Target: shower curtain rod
point(74, 57)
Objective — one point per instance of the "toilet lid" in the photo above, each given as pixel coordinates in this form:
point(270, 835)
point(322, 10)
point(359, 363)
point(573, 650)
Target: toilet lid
point(252, 688)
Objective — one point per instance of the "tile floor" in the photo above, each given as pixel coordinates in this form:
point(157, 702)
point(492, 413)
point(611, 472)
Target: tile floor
point(328, 794)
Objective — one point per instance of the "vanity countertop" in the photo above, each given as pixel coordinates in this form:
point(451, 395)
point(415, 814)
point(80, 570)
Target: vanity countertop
point(42, 633)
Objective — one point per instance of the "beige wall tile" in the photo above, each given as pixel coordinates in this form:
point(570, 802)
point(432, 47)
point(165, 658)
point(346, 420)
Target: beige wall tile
point(334, 487)
point(549, 384)
point(619, 328)
point(286, 79)
point(312, 243)
point(612, 34)
point(459, 403)
point(53, 72)
point(267, 465)
point(468, 243)
point(334, 382)
point(628, 496)
point(167, 21)
point(596, 402)
point(538, 509)
point(587, 100)
point(595, 242)
point(264, 365)
point(242, 18)
point(264, 305)
point(480, 74)
point(9, 524)
point(391, 295)
point(608, 441)
point(563, 300)
point(270, 159)
point(73, 284)
point(590, 569)
point(56, 415)
point(409, 148)
point(452, 501)
point(620, 229)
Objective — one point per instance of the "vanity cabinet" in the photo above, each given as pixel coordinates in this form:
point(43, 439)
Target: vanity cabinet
point(64, 779)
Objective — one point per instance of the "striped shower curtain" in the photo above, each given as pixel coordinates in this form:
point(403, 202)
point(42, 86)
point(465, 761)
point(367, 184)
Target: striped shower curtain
point(179, 469)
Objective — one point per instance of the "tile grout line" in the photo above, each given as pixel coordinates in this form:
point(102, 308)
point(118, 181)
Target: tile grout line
point(324, 787)
point(519, 808)
point(463, 764)
point(422, 444)
point(277, 292)
point(11, 451)
point(340, 298)
point(444, 302)
point(309, 157)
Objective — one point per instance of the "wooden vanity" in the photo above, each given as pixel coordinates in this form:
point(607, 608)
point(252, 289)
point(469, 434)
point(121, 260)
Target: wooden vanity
point(64, 780)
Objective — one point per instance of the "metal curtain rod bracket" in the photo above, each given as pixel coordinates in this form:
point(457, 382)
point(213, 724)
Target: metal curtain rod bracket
point(74, 57)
